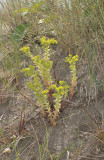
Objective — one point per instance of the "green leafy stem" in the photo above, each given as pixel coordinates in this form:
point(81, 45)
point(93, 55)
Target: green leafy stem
point(49, 95)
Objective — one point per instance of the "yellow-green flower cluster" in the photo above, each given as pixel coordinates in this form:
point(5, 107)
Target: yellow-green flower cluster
point(72, 64)
point(46, 43)
point(46, 46)
point(59, 93)
point(26, 50)
point(65, 86)
point(71, 60)
point(29, 71)
point(36, 85)
point(43, 66)
point(58, 97)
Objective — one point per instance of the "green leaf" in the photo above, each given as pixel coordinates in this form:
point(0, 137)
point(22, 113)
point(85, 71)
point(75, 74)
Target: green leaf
point(20, 32)
point(23, 10)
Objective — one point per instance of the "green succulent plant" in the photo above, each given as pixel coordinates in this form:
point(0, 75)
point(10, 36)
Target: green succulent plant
point(49, 95)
